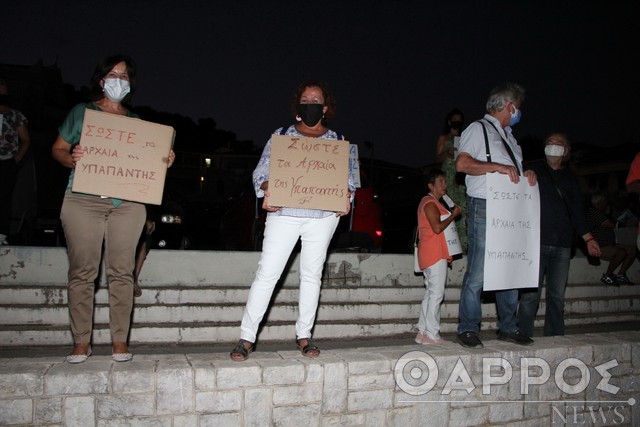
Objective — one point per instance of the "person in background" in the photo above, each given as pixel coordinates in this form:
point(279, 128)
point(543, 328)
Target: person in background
point(503, 112)
point(14, 144)
point(445, 154)
point(633, 186)
point(91, 221)
point(603, 230)
point(312, 105)
point(433, 255)
point(144, 246)
point(561, 220)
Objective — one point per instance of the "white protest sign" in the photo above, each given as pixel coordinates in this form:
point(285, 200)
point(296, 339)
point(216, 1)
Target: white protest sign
point(354, 162)
point(451, 232)
point(451, 236)
point(456, 147)
point(512, 250)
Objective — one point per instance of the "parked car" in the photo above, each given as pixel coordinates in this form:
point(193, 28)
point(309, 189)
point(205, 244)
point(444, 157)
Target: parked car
point(242, 224)
point(362, 229)
point(170, 230)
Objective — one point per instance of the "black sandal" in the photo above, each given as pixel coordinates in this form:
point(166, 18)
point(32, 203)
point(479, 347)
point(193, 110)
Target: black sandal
point(241, 350)
point(309, 350)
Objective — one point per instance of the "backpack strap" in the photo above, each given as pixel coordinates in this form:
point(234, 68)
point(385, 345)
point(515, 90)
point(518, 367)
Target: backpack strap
point(506, 146)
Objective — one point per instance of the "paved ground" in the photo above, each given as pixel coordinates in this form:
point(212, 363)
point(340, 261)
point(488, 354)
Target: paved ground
point(399, 340)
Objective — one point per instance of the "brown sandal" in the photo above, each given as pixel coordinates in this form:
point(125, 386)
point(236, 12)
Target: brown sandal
point(240, 351)
point(309, 350)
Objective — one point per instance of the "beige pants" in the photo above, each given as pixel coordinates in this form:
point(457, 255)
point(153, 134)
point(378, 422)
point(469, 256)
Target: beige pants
point(89, 221)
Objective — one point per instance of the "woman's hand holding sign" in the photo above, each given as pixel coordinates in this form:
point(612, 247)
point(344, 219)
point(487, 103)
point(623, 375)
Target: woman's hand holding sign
point(265, 203)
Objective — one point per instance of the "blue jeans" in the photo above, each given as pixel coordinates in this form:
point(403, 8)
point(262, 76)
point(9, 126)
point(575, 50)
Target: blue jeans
point(470, 308)
point(554, 264)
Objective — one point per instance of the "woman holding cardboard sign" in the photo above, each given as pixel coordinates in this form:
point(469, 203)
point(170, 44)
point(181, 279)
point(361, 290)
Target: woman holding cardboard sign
point(89, 220)
point(312, 104)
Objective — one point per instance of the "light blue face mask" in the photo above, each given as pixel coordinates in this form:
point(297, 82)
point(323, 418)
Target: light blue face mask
point(515, 117)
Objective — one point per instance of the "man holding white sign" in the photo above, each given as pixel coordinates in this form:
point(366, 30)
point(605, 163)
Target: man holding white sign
point(488, 146)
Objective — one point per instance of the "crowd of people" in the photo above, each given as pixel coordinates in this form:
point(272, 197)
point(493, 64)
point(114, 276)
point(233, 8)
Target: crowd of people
point(488, 146)
point(120, 230)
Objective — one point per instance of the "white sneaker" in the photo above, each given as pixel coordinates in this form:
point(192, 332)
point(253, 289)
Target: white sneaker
point(3, 240)
point(424, 339)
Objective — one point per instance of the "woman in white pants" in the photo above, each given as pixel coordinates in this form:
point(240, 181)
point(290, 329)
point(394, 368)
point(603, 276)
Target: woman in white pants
point(433, 255)
point(312, 104)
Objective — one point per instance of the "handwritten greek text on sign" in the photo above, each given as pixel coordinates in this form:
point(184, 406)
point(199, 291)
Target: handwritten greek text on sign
point(124, 158)
point(309, 173)
point(512, 250)
point(451, 237)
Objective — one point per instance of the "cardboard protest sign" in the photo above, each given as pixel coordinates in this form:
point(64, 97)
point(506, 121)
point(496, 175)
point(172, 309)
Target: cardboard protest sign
point(512, 249)
point(124, 158)
point(309, 173)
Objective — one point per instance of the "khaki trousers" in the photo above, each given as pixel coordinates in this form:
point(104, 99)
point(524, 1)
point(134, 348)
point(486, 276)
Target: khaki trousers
point(88, 221)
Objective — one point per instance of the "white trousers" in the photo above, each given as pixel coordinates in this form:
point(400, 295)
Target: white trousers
point(280, 237)
point(435, 278)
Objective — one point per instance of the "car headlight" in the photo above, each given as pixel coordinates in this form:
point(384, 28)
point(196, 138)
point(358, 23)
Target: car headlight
point(171, 219)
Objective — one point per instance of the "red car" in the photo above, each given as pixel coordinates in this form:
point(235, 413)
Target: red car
point(362, 229)
point(241, 227)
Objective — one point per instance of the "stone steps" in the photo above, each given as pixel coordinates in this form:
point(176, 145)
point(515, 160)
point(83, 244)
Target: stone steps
point(39, 315)
point(186, 299)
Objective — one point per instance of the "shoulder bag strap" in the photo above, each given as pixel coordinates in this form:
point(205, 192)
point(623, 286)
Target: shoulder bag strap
point(506, 146)
point(486, 141)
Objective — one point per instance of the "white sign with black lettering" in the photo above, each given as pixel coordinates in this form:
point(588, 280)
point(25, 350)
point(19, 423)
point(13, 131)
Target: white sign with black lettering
point(512, 249)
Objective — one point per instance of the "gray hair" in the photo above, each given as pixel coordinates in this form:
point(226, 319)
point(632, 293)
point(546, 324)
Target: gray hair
point(503, 94)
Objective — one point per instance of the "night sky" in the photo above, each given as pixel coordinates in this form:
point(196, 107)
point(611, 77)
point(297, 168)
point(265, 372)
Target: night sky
point(396, 68)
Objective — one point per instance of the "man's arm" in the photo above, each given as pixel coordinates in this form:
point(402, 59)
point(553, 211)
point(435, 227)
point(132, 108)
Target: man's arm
point(467, 164)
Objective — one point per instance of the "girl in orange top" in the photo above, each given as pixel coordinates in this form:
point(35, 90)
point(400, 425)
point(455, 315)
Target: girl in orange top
point(433, 255)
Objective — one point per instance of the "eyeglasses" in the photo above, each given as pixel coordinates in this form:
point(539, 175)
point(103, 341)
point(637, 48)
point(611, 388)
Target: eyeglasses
point(115, 74)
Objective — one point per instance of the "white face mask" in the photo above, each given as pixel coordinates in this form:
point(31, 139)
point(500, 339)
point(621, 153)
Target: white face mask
point(554, 150)
point(116, 89)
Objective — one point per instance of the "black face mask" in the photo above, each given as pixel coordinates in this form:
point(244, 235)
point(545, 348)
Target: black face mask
point(4, 99)
point(456, 125)
point(310, 114)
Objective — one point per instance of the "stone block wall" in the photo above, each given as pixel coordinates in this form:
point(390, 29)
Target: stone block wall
point(591, 379)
